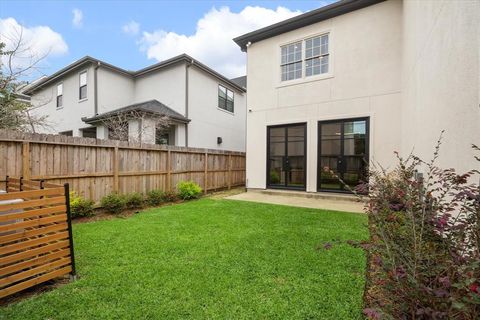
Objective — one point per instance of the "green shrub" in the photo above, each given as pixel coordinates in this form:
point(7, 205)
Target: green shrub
point(170, 196)
point(114, 203)
point(274, 177)
point(188, 190)
point(134, 200)
point(155, 197)
point(80, 207)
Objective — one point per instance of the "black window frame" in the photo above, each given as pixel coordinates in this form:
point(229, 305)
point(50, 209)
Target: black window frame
point(223, 102)
point(80, 87)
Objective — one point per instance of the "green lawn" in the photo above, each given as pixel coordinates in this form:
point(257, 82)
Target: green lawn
point(211, 259)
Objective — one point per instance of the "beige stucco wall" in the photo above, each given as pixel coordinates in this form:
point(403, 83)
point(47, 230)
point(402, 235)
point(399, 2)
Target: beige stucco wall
point(166, 86)
point(209, 121)
point(441, 84)
point(365, 80)
point(115, 90)
point(69, 116)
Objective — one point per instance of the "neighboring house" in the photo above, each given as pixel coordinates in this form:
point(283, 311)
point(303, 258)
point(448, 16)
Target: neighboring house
point(354, 81)
point(206, 110)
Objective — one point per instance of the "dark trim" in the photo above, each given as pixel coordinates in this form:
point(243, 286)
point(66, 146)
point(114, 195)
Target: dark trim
point(319, 147)
point(286, 187)
point(333, 10)
point(69, 222)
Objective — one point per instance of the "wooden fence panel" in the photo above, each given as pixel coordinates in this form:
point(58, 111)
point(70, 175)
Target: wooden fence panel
point(35, 234)
point(95, 168)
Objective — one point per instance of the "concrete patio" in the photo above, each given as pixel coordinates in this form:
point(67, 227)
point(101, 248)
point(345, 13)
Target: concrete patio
point(338, 202)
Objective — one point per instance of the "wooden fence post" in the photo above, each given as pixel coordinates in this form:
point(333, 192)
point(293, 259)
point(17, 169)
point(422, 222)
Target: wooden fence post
point(229, 177)
point(169, 170)
point(26, 160)
point(115, 169)
point(206, 174)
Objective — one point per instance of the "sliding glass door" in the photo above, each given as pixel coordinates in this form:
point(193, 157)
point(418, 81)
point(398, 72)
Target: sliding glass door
point(342, 152)
point(286, 156)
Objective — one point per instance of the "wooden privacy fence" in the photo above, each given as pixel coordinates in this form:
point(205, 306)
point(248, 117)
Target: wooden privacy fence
point(35, 234)
point(95, 168)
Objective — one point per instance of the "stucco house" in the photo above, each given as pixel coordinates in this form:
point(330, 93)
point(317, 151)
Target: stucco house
point(204, 108)
point(348, 84)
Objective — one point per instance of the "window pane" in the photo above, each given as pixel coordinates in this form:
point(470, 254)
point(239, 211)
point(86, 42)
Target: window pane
point(230, 95)
point(60, 89)
point(59, 101)
point(222, 91)
point(83, 92)
point(222, 102)
point(230, 106)
point(83, 78)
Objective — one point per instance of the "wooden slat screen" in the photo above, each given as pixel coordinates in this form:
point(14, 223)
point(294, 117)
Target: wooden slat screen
point(95, 168)
point(35, 234)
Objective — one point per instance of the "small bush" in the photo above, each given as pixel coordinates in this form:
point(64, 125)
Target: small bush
point(134, 200)
point(188, 190)
point(155, 197)
point(425, 242)
point(80, 207)
point(274, 176)
point(114, 203)
point(170, 196)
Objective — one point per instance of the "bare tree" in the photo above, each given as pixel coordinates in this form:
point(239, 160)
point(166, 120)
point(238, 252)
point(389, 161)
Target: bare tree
point(117, 125)
point(18, 61)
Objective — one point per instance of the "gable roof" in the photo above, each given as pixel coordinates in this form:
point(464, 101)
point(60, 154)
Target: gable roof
point(150, 107)
point(185, 58)
point(332, 10)
point(241, 81)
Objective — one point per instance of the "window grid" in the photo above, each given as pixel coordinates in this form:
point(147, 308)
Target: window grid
point(291, 65)
point(315, 58)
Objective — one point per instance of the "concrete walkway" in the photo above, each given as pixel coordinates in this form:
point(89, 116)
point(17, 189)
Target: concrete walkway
point(300, 201)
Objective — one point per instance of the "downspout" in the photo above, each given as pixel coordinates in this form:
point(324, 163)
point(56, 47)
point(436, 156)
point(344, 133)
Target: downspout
point(95, 89)
point(187, 66)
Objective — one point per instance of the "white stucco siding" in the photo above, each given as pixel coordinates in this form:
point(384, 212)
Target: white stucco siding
point(441, 80)
point(69, 116)
point(207, 120)
point(364, 81)
point(166, 85)
point(115, 90)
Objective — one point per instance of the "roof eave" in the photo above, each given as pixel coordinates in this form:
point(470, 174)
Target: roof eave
point(327, 12)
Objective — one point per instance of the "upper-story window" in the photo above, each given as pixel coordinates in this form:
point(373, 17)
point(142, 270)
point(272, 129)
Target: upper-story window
point(314, 61)
point(292, 61)
point(225, 98)
point(59, 95)
point(316, 55)
point(83, 86)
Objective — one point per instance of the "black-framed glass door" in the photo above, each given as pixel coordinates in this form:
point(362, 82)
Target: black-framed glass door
point(343, 152)
point(286, 156)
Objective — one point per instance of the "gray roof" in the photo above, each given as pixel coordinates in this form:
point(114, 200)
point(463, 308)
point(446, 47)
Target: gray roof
point(241, 81)
point(308, 18)
point(183, 58)
point(149, 107)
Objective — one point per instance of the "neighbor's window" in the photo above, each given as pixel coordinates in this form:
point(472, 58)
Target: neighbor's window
point(83, 85)
point(60, 95)
point(292, 61)
point(225, 98)
point(316, 55)
point(315, 59)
